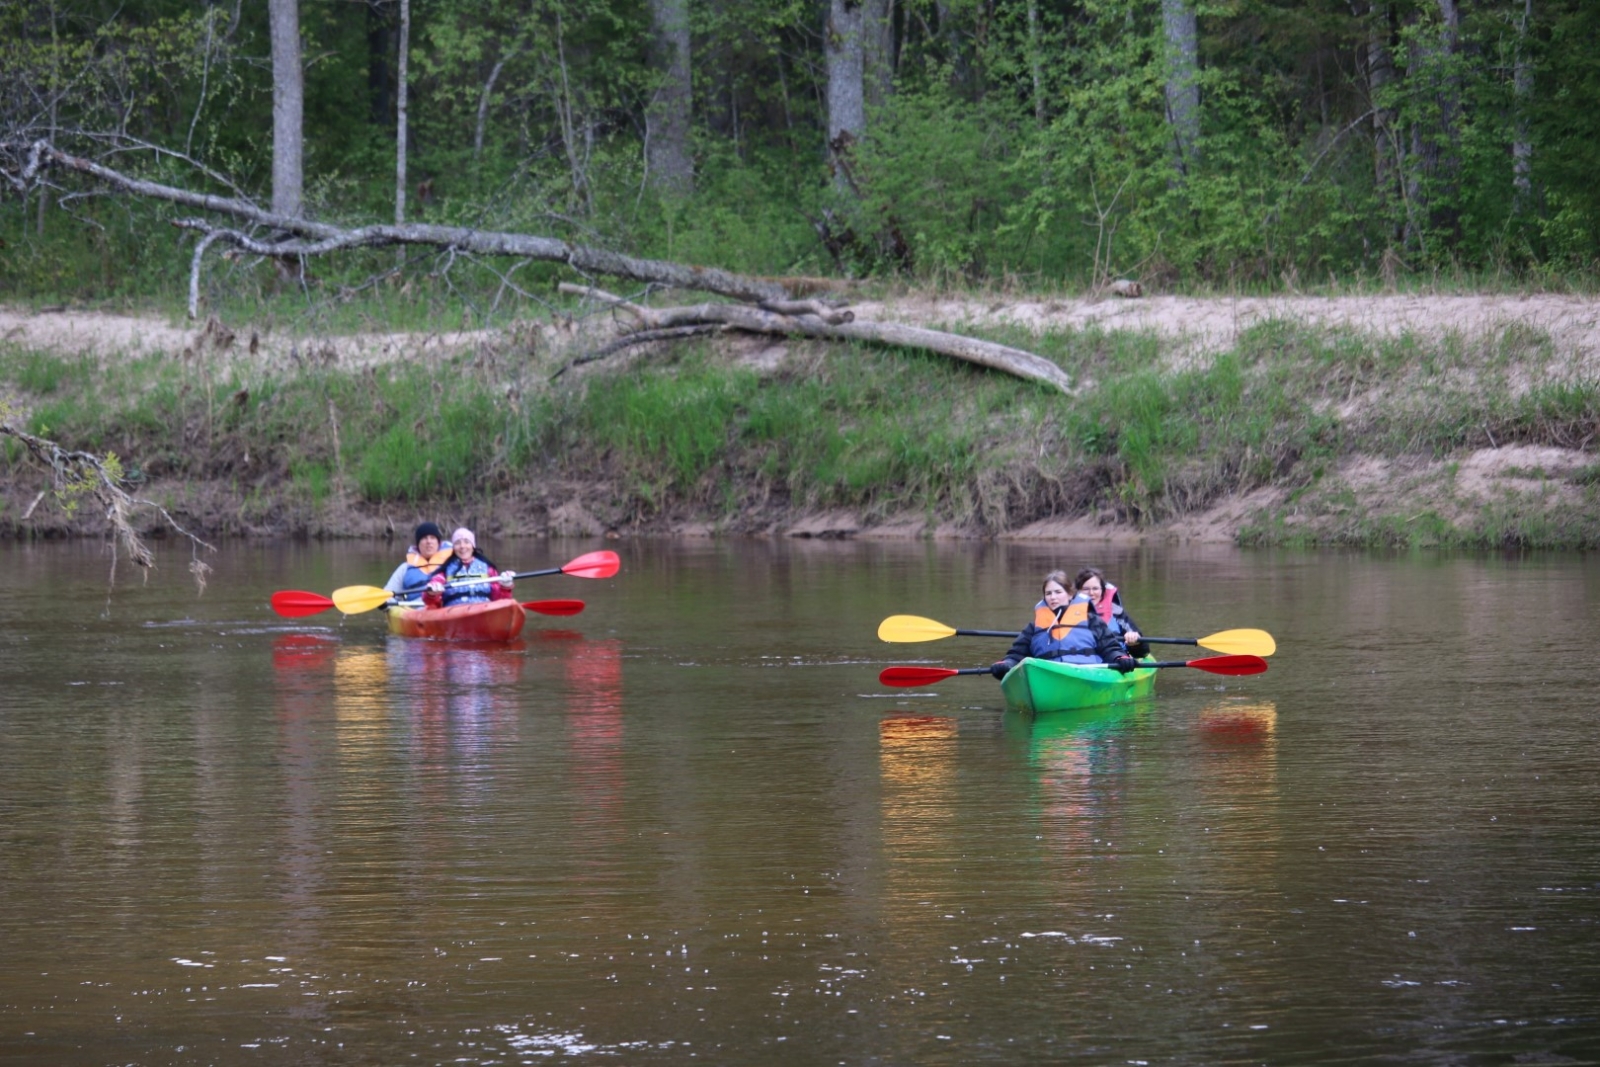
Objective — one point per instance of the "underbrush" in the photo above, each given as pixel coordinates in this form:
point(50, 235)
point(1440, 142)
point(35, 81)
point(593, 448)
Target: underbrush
point(691, 434)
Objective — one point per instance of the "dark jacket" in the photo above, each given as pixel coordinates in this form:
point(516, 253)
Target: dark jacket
point(1122, 622)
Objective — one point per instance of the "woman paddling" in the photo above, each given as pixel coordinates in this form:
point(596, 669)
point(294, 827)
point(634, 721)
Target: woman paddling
point(466, 563)
point(1066, 629)
point(1108, 604)
point(423, 559)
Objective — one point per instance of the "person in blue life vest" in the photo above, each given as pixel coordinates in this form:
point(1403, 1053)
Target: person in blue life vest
point(425, 556)
point(445, 588)
point(1107, 603)
point(1066, 629)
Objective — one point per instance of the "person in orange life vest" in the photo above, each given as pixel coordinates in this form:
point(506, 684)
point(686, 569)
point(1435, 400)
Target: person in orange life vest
point(1108, 603)
point(466, 563)
point(1065, 628)
point(425, 556)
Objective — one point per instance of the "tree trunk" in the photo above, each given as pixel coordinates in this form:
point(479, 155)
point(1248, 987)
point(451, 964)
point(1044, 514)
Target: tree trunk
point(1522, 143)
point(1183, 81)
point(483, 103)
point(288, 107)
point(1036, 60)
point(401, 98)
point(1435, 159)
point(670, 115)
point(378, 64)
point(1380, 75)
point(55, 101)
point(847, 111)
point(877, 51)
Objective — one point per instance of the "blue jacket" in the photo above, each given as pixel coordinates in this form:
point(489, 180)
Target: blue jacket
point(1089, 641)
point(471, 592)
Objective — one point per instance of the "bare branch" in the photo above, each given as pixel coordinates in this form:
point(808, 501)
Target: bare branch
point(84, 474)
point(639, 337)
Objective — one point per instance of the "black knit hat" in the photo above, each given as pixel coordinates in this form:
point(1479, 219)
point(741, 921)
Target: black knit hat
point(426, 529)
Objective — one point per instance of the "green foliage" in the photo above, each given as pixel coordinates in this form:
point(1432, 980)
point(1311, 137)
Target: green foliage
point(1006, 147)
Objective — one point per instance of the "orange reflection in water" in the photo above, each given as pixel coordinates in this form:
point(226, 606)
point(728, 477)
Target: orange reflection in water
point(917, 767)
point(1237, 793)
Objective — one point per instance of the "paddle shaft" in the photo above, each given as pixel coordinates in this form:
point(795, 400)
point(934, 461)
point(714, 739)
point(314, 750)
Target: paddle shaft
point(909, 676)
point(478, 579)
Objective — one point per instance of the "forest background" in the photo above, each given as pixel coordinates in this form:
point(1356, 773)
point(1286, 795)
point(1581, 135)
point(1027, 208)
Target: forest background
point(987, 148)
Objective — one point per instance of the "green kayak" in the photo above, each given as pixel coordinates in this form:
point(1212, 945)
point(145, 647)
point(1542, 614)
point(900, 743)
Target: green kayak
point(1036, 685)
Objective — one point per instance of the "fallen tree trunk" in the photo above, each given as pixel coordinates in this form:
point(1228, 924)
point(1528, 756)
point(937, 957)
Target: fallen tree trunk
point(778, 308)
point(808, 322)
point(321, 238)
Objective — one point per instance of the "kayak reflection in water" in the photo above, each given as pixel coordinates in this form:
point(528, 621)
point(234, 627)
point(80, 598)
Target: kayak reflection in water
point(1107, 601)
point(423, 559)
point(1066, 628)
point(466, 563)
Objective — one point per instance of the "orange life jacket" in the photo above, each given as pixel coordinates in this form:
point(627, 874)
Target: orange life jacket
point(1059, 620)
point(428, 564)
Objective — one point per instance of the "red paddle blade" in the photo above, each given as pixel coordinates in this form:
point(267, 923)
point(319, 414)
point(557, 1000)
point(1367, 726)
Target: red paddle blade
point(909, 676)
point(594, 565)
point(1230, 664)
point(554, 607)
point(292, 603)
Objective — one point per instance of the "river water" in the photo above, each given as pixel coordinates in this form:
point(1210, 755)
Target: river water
point(688, 825)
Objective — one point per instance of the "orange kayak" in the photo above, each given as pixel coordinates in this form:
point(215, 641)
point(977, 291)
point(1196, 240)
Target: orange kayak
point(494, 620)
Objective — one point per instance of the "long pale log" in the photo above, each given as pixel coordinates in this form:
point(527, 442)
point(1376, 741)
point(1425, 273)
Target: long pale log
point(757, 320)
point(481, 242)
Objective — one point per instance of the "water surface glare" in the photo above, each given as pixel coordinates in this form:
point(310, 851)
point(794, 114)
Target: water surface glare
point(688, 825)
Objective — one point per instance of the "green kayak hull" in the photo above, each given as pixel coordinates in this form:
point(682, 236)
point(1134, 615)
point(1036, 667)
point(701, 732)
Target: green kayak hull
point(1036, 685)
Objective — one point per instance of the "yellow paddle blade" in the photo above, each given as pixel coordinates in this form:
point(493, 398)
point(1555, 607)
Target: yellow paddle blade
point(354, 599)
point(912, 628)
point(1241, 642)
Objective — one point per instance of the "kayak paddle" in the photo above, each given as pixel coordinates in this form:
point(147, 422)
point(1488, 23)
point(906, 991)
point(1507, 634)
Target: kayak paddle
point(1240, 642)
point(292, 603)
point(554, 607)
point(907, 628)
point(354, 599)
point(909, 676)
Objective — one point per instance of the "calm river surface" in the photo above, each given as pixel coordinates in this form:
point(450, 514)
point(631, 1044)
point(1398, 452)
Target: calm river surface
point(688, 825)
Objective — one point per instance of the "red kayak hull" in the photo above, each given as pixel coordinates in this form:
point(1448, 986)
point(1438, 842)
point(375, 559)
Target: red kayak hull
point(495, 620)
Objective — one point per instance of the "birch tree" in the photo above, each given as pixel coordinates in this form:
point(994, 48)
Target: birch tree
point(669, 117)
point(288, 107)
point(1182, 32)
point(847, 105)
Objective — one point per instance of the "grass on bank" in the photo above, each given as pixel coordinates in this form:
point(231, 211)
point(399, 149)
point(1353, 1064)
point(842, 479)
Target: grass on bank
point(889, 433)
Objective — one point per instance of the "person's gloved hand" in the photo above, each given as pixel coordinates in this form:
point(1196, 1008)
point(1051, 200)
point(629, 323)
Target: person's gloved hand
point(1125, 663)
point(999, 669)
point(505, 581)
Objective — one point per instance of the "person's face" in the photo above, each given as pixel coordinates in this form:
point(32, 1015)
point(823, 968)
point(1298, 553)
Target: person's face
point(463, 549)
point(428, 545)
point(1055, 594)
point(1093, 589)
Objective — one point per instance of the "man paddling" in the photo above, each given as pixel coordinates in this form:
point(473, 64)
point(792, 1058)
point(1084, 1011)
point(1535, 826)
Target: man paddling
point(423, 559)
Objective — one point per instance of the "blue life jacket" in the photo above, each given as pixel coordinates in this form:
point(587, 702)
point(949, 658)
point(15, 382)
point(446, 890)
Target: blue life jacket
point(468, 593)
point(1068, 644)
